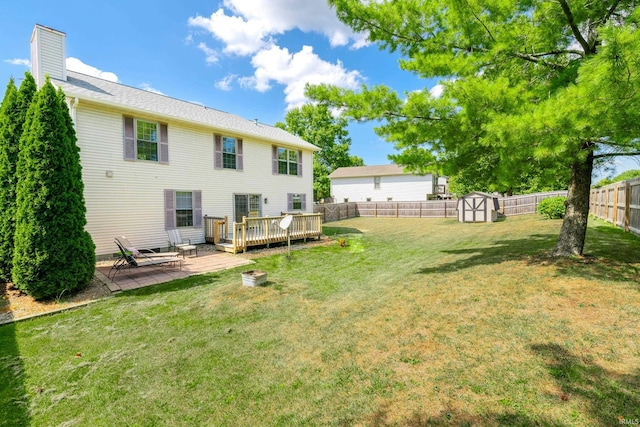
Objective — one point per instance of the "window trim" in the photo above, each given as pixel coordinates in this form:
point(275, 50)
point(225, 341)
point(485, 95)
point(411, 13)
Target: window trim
point(291, 201)
point(170, 208)
point(130, 140)
point(275, 170)
point(218, 152)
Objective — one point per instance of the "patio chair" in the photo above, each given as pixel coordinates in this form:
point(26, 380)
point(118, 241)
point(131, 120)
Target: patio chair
point(127, 260)
point(175, 241)
point(137, 251)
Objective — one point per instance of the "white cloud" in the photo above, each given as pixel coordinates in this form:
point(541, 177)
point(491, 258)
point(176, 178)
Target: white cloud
point(225, 84)
point(294, 71)
point(253, 24)
point(239, 36)
point(212, 55)
point(250, 29)
point(19, 61)
point(148, 88)
point(78, 66)
point(436, 91)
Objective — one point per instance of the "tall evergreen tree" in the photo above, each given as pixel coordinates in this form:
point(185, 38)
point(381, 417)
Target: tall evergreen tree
point(12, 117)
point(53, 253)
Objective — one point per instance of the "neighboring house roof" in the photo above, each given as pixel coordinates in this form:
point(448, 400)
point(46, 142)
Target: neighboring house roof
point(364, 171)
point(137, 100)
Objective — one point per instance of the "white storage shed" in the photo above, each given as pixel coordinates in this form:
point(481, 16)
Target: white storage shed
point(478, 207)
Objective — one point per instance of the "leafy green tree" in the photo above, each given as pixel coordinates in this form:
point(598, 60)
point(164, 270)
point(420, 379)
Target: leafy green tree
point(538, 89)
point(624, 176)
point(12, 117)
point(53, 253)
point(315, 124)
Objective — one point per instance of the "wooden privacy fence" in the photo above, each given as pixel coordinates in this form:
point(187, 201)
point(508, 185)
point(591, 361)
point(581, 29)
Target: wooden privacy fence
point(618, 203)
point(512, 205)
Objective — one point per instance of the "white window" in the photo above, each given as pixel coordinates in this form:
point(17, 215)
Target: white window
point(296, 202)
point(227, 152)
point(184, 209)
point(286, 161)
point(376, 182)
point(145, 140)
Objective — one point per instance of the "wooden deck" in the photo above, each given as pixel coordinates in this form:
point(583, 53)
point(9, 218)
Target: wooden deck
point(260, 231)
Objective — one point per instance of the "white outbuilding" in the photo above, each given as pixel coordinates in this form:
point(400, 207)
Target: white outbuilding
point(478, 207)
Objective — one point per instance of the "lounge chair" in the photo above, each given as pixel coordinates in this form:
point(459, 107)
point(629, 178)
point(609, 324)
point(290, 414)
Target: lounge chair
point(137, 251)
point(127, 260)
point(175, 241)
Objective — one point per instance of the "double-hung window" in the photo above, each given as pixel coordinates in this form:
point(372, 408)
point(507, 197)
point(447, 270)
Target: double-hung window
point(287, 161)
point(376, 182)
point(227, 152)
point(182, 208)
point(145, 140)
point(296, 202)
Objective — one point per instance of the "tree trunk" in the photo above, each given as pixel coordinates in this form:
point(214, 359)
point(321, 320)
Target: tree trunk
point(574, 227)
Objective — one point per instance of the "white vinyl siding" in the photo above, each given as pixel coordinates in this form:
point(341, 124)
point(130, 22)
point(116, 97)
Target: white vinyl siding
point(401, 188)
point(49, 49)
point(127, 198)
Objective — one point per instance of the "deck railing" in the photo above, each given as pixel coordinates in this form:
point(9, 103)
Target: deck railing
point(216, 228)
point(256, 231)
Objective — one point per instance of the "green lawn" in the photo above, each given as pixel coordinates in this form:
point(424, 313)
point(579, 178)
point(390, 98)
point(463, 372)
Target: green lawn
point(414, 322)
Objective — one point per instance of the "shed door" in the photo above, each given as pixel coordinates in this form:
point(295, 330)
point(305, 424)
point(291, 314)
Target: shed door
point(475, 209)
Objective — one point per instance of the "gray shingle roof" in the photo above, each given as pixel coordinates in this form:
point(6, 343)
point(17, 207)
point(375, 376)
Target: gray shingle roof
point(134, 100)
point(363, 171)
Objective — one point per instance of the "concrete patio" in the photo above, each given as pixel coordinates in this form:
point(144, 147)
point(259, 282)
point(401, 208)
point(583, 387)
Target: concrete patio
point(133, 278)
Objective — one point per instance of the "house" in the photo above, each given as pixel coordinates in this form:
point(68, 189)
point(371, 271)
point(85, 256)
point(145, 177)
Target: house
point(151, 162)
point(383, 183)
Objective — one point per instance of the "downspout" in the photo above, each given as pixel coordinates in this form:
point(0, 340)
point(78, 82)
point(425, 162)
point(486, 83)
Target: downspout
point(73, 106)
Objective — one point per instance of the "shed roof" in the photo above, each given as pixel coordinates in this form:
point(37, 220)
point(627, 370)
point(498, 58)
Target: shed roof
point(364, 171)
point(137, 100)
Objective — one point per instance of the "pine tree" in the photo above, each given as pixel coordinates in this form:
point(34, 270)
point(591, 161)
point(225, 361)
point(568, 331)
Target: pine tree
point(12, 117)
point(53, 253)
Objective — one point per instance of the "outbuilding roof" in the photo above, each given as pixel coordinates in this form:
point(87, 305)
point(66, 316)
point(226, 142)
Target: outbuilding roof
point(135, 100)
point(364, 171)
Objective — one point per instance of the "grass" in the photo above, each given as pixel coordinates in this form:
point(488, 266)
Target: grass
point(413, 322)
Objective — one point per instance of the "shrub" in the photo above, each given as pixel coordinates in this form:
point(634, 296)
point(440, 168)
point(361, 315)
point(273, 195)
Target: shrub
point(553, 207)
point(53, 253)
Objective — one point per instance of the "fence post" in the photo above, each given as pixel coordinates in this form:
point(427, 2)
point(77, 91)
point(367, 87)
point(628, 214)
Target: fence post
point(627, 205)
point(615, 204)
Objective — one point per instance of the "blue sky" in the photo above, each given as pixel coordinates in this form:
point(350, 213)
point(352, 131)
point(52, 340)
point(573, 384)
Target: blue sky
point(250, 58)
point(247, 57)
